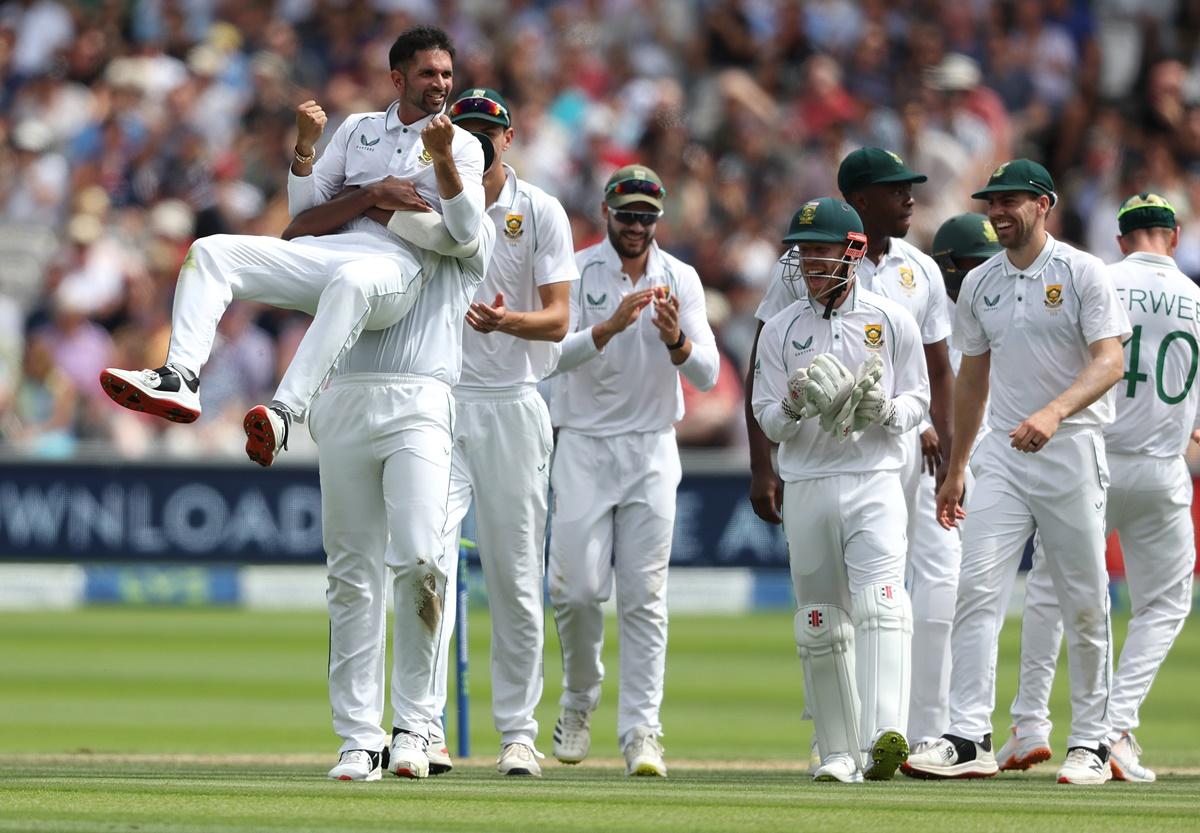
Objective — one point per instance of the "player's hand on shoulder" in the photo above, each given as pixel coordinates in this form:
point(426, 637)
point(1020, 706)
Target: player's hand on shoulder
point(438, 135)
point(392, 194)
point(310, 124)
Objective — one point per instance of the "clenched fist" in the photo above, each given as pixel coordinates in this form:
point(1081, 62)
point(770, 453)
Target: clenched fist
point(310, 124)
point(438, 136)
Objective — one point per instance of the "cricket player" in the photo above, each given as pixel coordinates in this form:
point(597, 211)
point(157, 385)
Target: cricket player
point(1040, 328)
point(384, 434)
point(502, 433)
point(365, 277)
point(1149, 501)
point(842, 442)
point(879, 186)
point(638, 322)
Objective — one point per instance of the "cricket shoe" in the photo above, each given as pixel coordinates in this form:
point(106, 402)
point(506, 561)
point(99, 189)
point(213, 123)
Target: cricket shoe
point(887, 753)
point(839, 768)
point(1125, 760)
point(358, 765)
point(518, 759)
point(165, 392)
point(644, 754)
point(572, 738)
point(1085, 766)
point(1019, 754)
point(267, 430)
point(953, 757)
point(409, 758)
point(439, 754)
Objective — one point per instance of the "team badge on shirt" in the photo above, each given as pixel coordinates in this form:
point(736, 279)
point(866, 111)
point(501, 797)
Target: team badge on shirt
point(513, 226)
point(426, 158)
point(873, 335)
point(1053, 296)
point(907, 281)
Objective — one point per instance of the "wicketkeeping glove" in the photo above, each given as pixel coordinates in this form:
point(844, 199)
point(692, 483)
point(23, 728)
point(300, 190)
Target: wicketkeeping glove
point(795, 406)
point(866, 379)
point(829, 386)
point(874, 409)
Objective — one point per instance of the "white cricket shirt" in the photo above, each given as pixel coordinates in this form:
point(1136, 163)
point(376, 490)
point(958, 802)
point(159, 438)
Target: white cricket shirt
point(533, 249)
point(910, 277)
point(632, 385)
point(1038, 323)
point(427, 341)
point(1157, 400)
point(367, 147)
point(865, 324)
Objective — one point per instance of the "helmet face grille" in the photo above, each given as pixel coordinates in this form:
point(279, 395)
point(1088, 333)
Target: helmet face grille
point(838, 272)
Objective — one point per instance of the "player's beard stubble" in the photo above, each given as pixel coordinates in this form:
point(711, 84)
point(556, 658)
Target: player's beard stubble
point(629, 241)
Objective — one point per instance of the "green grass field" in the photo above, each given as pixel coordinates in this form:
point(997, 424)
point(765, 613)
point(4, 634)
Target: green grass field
point(217, 720)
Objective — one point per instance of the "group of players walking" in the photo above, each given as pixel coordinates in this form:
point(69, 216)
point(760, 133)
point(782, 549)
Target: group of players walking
point(443, 289)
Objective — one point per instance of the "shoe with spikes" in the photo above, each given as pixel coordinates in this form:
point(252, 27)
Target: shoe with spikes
point(267, 430)
point(168, 392)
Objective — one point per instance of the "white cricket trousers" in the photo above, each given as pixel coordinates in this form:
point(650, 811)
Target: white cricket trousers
point(383, 444)
point(847, 546)
point(1060, 491)
point(347, 282)
point(613, 517)
point(931, 576)
point(1150, 507)
point(502, 446)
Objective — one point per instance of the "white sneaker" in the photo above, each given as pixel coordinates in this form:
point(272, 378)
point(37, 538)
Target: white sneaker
point(358, 765)
point(840, 767)
point(887, 753)
point(1125, 761)
point(644, 754)
point(1085, 766)
point(164, 392)
point(266, 433)
point(1019, 754)
point(518, 759)
point(409, 758)
point(572, 738)
point(439, 754)
point(952, 757)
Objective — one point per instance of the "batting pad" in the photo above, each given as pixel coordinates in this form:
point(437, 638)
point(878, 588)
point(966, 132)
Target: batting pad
point(883, 636)
point(825, 641)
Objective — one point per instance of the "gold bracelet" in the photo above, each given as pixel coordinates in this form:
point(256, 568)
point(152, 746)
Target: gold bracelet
point(304, 160)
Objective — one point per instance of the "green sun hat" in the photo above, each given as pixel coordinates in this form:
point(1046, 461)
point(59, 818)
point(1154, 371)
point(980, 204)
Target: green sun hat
point(1019, 175)
point(965, 236)
point(1146, 210)
point(481, 103)
point(632, 184)
point(872, 166)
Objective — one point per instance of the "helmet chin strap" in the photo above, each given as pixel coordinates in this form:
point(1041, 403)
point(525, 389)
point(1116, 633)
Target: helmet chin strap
point(833, 297)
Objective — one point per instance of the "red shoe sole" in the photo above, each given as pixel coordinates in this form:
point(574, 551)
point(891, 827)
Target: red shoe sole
point(129, 396)
point(260, 436)
point(1035, 757)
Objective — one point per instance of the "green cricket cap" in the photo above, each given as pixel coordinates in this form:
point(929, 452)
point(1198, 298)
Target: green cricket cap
point(872, 166)
point(481, 103)
point(1019, 175)
point(965, 236)
point(634, 183)
point(1145, 210)
point(824, 220)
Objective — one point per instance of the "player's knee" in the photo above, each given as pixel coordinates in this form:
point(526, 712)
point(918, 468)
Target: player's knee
point(882, 607)
point(823, 629)
point(575, 595)
point(347, 285)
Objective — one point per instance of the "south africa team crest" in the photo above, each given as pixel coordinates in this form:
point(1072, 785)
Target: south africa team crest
point(907, 281)
point(1053, 296)
point(514, 226)
point(873, 336)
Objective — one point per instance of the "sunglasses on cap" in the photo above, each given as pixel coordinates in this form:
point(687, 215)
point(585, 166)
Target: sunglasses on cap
point(628, 218)
point(480, 106)
point(637, 186)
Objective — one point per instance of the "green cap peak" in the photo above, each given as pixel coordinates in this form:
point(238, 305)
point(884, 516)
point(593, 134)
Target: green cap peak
point(481, 103)
point(872, 166)
point(1019, 175)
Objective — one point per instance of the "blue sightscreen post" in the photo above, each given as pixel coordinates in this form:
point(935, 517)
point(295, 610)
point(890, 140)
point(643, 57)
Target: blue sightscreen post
point(460, 653)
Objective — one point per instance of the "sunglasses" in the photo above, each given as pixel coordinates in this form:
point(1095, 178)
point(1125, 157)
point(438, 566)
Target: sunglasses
point(637, 186)
point(479, 106)
point(629, 218)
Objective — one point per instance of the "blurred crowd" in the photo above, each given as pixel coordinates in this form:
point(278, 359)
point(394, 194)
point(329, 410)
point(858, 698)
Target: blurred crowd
point(128, 129)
